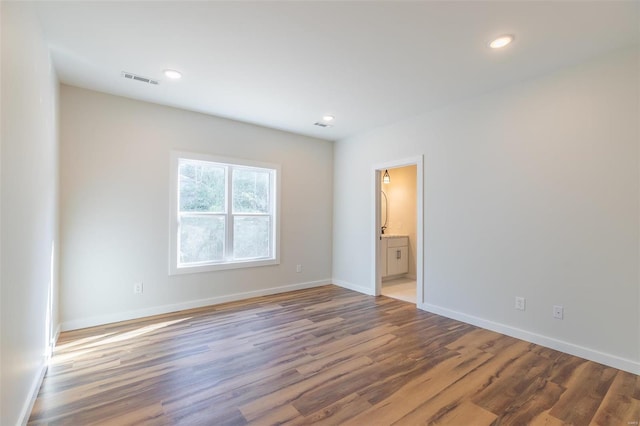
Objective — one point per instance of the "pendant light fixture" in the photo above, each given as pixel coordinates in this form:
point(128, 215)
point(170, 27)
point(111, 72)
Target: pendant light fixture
point(386, 178)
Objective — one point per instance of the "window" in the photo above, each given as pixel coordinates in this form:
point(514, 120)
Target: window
point(223, 213)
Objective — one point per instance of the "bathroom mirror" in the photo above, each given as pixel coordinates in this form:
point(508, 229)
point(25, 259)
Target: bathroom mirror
point(383, 210)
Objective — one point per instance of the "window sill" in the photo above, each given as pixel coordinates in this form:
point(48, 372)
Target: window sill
point(212, 267)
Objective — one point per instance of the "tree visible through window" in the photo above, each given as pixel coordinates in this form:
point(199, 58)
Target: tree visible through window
point(225, 213)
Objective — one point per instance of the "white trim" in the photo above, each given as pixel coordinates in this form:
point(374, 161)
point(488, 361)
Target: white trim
point(354, 287)
point(236, 264)
point(549, 342)
point(275, 171)
point(417, 161)
point(27, 407)
point(164, 309)
point(377, 223)
point(56, 335)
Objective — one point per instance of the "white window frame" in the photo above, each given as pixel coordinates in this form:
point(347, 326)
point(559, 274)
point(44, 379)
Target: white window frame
point(175, 268)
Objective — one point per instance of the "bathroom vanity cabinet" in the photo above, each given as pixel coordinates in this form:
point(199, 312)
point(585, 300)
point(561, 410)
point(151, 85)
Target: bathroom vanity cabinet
point(394, 253)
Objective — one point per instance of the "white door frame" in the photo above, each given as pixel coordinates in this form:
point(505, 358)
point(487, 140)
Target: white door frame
point(378, 169)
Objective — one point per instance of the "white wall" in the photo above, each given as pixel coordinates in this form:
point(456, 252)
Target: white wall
point(529, 191)
point(29, 208)
point(115, 207)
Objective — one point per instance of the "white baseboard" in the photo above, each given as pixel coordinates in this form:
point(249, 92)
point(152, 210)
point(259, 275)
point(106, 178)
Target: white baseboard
point(56, 334)
point(27, 407)
point(25, 413)
point(354, 287)
point(165, 309)
point(549, 342)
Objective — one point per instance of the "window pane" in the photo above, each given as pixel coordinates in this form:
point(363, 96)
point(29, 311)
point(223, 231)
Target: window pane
point(250, 191)
point(202, 187)
point(251, 236)
point(201, 239)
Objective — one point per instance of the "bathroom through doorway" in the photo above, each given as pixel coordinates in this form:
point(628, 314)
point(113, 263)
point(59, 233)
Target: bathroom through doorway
point(399, 242)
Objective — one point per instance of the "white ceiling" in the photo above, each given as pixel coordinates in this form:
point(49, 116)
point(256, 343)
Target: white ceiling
point(285, 64)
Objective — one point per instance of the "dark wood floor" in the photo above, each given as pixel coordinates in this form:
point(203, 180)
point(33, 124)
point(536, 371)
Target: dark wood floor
point(322, 356)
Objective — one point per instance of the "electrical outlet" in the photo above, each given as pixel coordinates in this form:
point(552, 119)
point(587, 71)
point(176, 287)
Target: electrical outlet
point(520, 303)
point(298, 268)
point(137, 288)
point(558, 311)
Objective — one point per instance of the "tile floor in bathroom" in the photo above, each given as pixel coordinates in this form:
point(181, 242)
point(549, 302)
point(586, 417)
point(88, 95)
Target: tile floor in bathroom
point(400, 288)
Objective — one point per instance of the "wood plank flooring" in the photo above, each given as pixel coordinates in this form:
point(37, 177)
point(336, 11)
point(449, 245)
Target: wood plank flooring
point(325, 356)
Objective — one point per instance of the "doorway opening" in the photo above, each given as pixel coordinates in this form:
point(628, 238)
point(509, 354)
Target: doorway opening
point(398, 230)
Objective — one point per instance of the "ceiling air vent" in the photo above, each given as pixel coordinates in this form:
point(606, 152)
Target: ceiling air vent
point(132, 76)
point(319, 124)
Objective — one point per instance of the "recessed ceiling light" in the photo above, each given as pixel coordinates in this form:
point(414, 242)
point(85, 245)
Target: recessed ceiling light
point(173, 74)
point(501, 41)
point(328, 117)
